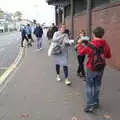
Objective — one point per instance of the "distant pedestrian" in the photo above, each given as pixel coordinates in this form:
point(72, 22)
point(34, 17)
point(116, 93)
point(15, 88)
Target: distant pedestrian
point(97, 50)
point(60, 52)
point(24, 37)
point(81, 58)
point(49, 35)
point(38, 33)
point(29, 32)
point(54, 28)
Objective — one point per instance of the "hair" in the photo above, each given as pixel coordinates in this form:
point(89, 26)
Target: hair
point(98, 32)
point(61, 25)
point(83, 32)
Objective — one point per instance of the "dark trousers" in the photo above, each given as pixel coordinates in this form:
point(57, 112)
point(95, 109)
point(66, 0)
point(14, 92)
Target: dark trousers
point(24, 38)
point(30, 37)
point(81, 65)
point(65, 68)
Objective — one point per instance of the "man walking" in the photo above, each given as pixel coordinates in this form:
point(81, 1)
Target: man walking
point(24, 37)
point(38, 33)
point(29, 32)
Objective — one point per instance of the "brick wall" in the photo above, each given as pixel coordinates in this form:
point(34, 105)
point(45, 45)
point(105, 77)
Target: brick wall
point(109, 18)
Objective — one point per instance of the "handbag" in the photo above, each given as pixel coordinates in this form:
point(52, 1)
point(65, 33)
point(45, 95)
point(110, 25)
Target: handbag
point(57, 50)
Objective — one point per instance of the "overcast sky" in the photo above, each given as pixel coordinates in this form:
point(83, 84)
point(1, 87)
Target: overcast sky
point(31, 9)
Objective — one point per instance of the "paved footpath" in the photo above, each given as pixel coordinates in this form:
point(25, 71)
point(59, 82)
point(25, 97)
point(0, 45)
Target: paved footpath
point(32, 93)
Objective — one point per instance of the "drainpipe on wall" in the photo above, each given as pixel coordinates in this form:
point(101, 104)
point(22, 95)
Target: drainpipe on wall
point(56, 16)
point(89, 17)
point(72, 21)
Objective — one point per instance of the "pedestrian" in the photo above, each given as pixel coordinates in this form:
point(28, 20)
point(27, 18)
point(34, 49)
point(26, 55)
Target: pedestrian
point(97, 50)
point(60, 53)
point(54, 28)
point(49, 35)
point(24, 37)
point(38, 33)
point(81, 58)
point(29, 32)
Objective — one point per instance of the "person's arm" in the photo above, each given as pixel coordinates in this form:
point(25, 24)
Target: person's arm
point(67, 40)
point(84, 51)
point(107, 51)
point(57, 37)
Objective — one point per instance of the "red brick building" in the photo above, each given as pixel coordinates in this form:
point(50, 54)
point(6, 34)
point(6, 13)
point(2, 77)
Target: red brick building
point(87, 14)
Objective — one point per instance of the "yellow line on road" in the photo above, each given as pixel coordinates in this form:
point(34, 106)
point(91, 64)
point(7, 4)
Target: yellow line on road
point(12, 67)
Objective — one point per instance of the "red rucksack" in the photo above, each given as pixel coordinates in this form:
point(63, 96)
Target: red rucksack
point(98, 57)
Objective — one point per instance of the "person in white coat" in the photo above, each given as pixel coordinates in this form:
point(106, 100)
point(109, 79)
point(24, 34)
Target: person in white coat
point(61, 59)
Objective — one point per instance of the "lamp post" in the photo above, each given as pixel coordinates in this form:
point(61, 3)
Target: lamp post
point(72, 21)
point(89, 17)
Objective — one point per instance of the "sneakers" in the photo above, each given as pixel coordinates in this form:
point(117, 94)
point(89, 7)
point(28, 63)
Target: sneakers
point(89, 109)
point(92, 108)
point(58, 78)
point(67, 81)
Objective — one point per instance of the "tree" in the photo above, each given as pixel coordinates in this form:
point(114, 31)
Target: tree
point(18, 15)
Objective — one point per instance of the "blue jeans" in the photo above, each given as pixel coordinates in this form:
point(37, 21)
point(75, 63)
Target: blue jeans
point(39, 42)
point(92, 87)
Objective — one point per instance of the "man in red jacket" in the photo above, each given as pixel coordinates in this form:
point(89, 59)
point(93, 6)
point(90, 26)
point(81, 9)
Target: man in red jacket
point(93, 77)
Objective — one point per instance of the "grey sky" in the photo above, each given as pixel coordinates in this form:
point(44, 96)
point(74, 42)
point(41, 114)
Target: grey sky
point(31, 9)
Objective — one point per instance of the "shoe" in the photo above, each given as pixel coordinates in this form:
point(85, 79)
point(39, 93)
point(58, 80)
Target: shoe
point(29, 45)
point(67, 81)
point(81, 75)
point(41, 48)
point(89, 109)
point(58, 78)
point(96, 106)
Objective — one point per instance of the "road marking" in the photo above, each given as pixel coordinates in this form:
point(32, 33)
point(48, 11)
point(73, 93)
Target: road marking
point(12, 67)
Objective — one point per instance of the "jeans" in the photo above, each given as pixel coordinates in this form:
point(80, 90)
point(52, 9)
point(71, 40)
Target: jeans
point(65, 68)
point(92, 87)
point(39, 42)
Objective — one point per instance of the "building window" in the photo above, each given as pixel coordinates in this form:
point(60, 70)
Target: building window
point(114, 0)
point(96, 3)
point(67, 10)
point(79, 6)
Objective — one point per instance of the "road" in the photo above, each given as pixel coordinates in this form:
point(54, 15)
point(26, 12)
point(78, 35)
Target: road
point(9, 48)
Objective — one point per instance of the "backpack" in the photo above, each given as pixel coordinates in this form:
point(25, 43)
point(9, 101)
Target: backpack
point(98, 58)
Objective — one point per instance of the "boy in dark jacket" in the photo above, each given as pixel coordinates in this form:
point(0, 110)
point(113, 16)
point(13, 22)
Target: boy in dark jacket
point(24, 37)
point(93, 77)
point(38, 33)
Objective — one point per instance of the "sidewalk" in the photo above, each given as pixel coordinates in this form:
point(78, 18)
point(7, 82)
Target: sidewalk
point(32, 92)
